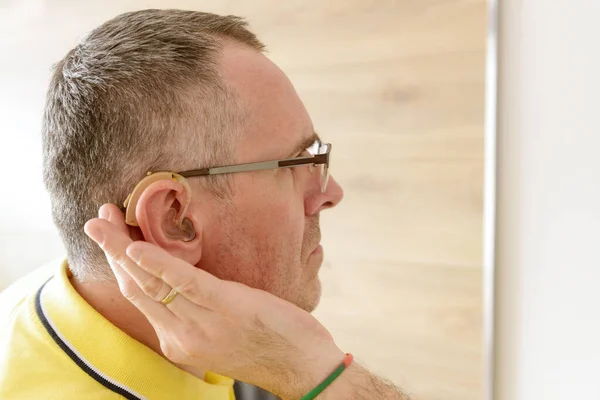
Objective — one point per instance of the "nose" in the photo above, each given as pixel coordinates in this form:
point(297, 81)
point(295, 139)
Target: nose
point(322, 201)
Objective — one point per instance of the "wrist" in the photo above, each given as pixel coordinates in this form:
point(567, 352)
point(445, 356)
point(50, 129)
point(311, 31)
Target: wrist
point(342, 388)
point(312, 370)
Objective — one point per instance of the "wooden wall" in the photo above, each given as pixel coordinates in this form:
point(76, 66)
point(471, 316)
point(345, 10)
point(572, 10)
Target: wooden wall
point(398, 85)
point(403, 84)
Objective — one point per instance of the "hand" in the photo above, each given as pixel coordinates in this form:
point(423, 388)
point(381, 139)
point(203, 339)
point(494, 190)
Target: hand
point(225, 327)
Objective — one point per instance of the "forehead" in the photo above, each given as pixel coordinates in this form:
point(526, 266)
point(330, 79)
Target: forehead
point(275, 119)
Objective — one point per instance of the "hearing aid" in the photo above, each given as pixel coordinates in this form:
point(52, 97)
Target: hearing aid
point(185, 230)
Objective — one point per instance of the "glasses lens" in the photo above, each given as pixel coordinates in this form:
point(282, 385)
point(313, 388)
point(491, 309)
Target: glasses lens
point(325, 149)
point(324, 177)
point(314, 148)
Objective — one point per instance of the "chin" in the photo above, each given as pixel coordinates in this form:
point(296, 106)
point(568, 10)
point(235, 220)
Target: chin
point(309, 300)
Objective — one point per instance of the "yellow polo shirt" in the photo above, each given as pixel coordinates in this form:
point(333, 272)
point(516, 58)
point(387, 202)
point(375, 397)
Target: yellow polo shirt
point(54, 345)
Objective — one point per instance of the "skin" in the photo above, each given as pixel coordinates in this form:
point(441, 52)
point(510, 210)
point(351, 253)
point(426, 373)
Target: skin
point(267, 234)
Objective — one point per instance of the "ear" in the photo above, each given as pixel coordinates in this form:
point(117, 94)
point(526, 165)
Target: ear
point(167, 217)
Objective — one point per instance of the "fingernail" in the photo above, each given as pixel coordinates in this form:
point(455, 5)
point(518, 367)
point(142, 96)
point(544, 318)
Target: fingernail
point(104, 212)
point(95, 234)
point(134, 254)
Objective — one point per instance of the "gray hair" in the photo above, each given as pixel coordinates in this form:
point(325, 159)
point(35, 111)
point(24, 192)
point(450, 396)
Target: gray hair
point(140, 93)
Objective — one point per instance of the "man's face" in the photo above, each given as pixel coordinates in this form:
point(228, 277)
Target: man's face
point(268, 235)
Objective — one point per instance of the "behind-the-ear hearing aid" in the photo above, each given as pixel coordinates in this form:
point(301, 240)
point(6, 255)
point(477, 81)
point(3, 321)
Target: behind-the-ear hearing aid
point(185, 229)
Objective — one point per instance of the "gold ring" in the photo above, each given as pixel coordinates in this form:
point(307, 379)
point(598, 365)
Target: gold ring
point(169, 297)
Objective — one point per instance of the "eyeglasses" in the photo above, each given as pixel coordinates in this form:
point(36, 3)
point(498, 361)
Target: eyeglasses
point(319, 158)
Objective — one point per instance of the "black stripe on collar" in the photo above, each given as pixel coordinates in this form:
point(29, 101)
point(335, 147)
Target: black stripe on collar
point(80, 363)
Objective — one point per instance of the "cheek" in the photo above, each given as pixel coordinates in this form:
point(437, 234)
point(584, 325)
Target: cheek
point(275, 215)
point(279, 226)
point(264, 235)
point(275, 231)
point(260, 244)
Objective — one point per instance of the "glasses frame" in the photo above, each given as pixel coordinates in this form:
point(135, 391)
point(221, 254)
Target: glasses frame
point(130, 203)
point(317, 159)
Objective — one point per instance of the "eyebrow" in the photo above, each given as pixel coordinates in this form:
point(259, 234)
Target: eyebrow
point(304, 144)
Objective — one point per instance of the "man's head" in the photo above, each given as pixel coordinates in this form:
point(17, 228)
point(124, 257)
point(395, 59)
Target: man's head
point(167, 90)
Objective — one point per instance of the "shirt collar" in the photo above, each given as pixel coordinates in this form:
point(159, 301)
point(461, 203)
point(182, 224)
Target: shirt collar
point(114, 355)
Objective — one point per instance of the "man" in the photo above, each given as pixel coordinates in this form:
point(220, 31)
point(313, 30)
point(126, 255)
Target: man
point(191, 95)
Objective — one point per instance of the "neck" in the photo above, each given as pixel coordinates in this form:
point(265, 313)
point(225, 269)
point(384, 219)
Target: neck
point(107, 300)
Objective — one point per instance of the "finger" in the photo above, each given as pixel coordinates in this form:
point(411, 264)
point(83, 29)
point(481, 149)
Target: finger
point(187, 310)
point(133, 281)
point(114, 244)
point(193, 283)
point(113, 214)
point(184, 307)
point(117, 218)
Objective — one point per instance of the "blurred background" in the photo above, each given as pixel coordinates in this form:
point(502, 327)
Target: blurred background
point(400, 86)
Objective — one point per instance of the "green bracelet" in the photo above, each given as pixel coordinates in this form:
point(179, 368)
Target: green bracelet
point(316, 391)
